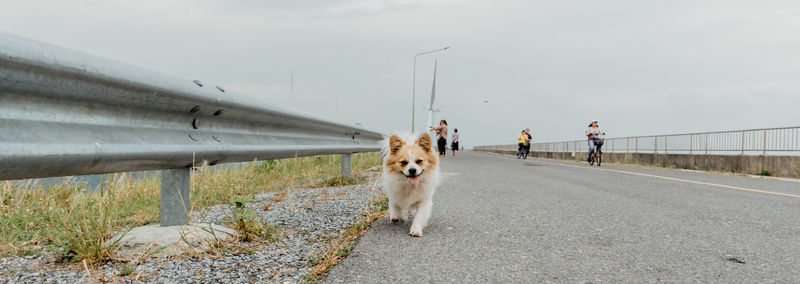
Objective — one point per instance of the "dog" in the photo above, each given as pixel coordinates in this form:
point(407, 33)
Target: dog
point(410, 177)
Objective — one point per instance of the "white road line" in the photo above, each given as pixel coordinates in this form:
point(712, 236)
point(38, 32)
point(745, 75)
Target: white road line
point(679, 180)
point(685, 180)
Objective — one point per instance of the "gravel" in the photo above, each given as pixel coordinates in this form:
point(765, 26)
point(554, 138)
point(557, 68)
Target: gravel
point(307, 218)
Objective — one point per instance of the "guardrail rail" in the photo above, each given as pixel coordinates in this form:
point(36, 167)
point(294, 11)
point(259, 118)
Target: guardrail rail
point(764, 141)
point(65, 113)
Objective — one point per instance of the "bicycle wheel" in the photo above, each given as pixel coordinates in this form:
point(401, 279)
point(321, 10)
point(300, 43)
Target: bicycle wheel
point(599, 158)
point(524, 154)
point(591, 160)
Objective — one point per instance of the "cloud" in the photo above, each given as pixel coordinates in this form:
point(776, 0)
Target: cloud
point(641, 67)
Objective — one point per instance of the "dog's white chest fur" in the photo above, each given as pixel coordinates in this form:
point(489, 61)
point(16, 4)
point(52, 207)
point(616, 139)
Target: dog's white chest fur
point(406, 194)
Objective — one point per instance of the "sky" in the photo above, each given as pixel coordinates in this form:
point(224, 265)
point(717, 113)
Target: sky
point(639, 67)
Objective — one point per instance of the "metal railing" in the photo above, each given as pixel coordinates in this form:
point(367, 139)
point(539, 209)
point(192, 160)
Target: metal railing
point(765, 141)
point(67, 113)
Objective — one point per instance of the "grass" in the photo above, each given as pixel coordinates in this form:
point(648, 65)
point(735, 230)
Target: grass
point(80, 224)
point(341, 245)
point(85, 230)
point(342, 181)
point(250, 227)
point(126, 269)
point(764, 173)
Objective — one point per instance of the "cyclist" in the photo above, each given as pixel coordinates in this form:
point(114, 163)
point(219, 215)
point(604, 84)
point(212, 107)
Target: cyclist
point(522, 139)
point(593, 133)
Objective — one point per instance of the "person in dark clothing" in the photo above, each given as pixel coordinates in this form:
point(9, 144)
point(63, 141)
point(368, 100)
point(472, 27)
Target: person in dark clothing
point(530, 140)
point(522, 139)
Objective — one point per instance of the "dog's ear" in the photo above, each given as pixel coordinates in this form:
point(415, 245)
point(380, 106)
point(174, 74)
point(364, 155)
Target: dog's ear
point(395, 143)
point(424, 141)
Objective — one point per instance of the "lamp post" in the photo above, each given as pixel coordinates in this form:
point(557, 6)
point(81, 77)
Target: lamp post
point(414, 83)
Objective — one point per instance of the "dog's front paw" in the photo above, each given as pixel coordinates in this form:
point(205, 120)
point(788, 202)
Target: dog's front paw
point(415, 232)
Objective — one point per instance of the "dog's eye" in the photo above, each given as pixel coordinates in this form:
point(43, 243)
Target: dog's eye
point(404, 163)
point(419, 162)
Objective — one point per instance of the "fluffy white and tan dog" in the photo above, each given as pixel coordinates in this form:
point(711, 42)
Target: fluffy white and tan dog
point(410, 177)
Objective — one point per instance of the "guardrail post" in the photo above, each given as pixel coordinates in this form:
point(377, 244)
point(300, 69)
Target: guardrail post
point(346, 165)
point(742, 142)
point(174, 197)
point(612, 146)
point(655, 145)
point(764, 149)
point(637, 145)
point(691, 141)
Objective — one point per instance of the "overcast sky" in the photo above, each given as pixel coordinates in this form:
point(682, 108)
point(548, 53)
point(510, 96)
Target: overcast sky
point(640, 67)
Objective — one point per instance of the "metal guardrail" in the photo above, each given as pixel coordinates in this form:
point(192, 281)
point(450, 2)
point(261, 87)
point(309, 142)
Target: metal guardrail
point(765, 141)
point(67, 113)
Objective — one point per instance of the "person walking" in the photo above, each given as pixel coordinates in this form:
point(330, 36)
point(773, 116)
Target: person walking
point(441, 132)
point(454, 144)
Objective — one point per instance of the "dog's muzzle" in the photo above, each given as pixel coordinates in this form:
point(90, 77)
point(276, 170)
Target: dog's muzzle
point(413, 177)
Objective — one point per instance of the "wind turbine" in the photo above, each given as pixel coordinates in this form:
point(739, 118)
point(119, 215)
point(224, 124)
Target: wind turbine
point(434, 111)
point(433, 97)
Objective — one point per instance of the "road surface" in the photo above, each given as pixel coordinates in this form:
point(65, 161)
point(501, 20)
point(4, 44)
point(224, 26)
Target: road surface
point(499, 219)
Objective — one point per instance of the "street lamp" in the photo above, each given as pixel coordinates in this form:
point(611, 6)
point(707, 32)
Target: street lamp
point(414, 82)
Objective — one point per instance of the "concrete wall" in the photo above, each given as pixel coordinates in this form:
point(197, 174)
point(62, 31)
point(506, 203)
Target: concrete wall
point(783, 166)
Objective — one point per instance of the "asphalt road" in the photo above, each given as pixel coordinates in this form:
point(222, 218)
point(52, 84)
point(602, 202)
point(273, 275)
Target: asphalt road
point(499, 219)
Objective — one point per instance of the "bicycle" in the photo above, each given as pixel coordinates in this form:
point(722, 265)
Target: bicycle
point(525, 148)
point(597, 155)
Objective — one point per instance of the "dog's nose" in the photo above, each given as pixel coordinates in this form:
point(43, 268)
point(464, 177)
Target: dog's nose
point(412, 171)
